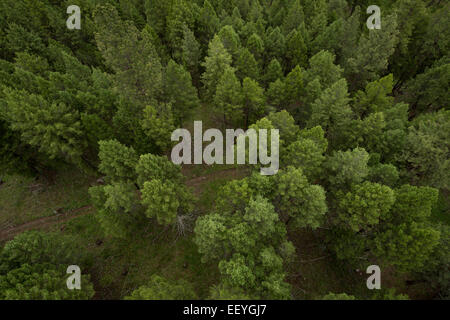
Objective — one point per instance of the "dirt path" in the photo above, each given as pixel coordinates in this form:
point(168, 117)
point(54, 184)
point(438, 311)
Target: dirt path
point(197, 184)
point(11, 232)
point(45, 222)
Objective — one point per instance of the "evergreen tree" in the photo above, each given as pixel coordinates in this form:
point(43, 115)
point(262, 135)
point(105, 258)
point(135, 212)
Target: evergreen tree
point(180, 92)
point(216, 63)
point(228, 97)
point(371, 56)
point(159, 288)
point(299, 200)
point(247, 66)
point(296, 51)
point(130, 53)
point(253, 101)
point(273, 72)
point(191, 53)
point(256, 47)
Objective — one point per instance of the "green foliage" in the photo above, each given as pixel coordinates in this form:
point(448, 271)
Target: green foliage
point(216, 63)
point(427, 149)
point(299, 200)
point(180, 92)
point(247, 243)
point(307, 153)
point(276, 94)
point(165, 200)
point(254, 104)
point(322, 67)
point(436, 269)
point(347, 168)
point(388, 294)
point(191, 52)
point(152, 167)
point(230, 40)
point(284, 122)
point(275, 44)
point(180, 15)
point(372, 53)
point(33, 267)
point(413, 203)
point(117, 161)
point(338, 296)
point(364, 206)
point(53, 128)
point(131, 54)
point(246, 65)
point(407, 246)
point(296, 51)
point(376, 97)
point(222, 292)
point(228, 97)
point(427, 91)
point(158, 124)
point(332, 112)
point(386, 174)
point(256, 46)
point(35, 247)
point(273, 71)
point(360, 114)
point(41, 282)
point(118, 210)
point(294, 92)
point(159, 288)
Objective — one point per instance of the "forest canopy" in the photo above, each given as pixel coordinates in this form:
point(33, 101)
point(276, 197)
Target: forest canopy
point(363, 116)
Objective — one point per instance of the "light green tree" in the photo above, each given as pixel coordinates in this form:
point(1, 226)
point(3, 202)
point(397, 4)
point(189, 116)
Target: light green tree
point(159, 288)
point(299, 200)
point(228, 97)
point(216, 63)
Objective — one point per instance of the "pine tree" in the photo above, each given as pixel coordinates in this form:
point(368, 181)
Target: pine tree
point(158, 123)
point(296, 51)
point(54, 129)
point(179, 17)
point(228, 97)
point(191, 53)
point(246, 65)
point(364, 206)
point(253, 101)
point(294, 17)
point(179, 91)
point(332, 112)
point(427, 149)
point(130, 53)
point(323, 68)
point(298, 200)
point(117, 161)
point(256, 46)
point(230, 40)
point(295, 93)
point(217, 61)
point(275, 45)
point(371, 56)
point(273, 72)
point(208, 22)
point(159, 288)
